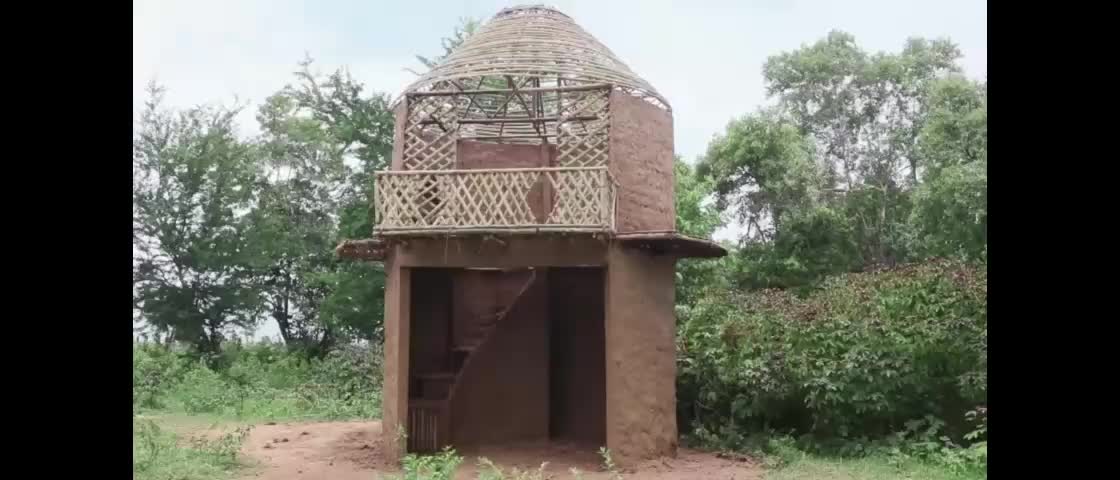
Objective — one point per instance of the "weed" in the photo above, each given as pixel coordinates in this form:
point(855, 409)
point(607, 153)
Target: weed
point(608, 464)
point(487, 470)
point(440, 466)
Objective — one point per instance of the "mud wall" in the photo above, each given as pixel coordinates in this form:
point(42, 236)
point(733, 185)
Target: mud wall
point(430, 339)
point(641, 160)
point(475, 155)
point(510, 252)
point(641, 360)
point(503, 391)
point(394, 394)
point(577, 338)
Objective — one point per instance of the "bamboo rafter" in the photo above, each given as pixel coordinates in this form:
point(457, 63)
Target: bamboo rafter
point(534, 42)
point(576, 118)
point(495, 200)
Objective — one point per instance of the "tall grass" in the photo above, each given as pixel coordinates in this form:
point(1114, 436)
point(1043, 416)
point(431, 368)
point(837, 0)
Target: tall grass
point(257, 382)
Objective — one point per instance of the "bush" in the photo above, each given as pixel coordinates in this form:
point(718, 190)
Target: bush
point(856, 358)
point(258, 381)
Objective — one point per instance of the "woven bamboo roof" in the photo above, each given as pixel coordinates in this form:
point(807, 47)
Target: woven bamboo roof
point(534, 41)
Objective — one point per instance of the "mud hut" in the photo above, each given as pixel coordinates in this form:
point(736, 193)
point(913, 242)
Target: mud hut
point(527, 229)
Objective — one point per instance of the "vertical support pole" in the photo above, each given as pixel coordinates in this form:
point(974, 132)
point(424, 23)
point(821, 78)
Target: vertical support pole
point(394, 395)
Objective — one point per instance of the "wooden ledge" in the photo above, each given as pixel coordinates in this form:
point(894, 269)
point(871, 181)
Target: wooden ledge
point(370, 249)
point(672, 243)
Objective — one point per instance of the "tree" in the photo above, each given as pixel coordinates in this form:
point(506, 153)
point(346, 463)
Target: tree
point(467, 26)
point(323, 140)
point(761, 167)
point(843, 173)
point(950, 215)
point(863, 113)
point(192, 180)
point(293, 225)
point(697, 217)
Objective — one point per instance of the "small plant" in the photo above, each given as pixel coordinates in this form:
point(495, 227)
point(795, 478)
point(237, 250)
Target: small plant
point(487, 470)
point(608, 464)
point(440, 466)
point(151, 443)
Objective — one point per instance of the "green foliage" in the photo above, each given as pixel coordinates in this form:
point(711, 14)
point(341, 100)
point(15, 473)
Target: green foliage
point(867, 160)
point(191, 174)
point(697, 217)
point(309, 197)
point(950, 215)
point(762, 166)
point(262, 381)
point(440, 466)
point(857, 357)
point(228, 230)
point(159, 454)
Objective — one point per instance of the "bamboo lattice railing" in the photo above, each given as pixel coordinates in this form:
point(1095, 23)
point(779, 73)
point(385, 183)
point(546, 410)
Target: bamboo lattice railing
point(557, 199)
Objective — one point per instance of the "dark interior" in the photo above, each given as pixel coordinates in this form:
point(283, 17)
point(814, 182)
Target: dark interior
point(535, 372)
point(577, 370)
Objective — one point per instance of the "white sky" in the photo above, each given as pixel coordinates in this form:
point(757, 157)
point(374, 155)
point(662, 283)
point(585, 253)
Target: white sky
point(705, 56)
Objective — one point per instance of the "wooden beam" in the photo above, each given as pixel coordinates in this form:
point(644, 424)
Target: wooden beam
point(495, 91)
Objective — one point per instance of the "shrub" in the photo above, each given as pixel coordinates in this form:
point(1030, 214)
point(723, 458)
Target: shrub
point(262, 381)
point(857, 357)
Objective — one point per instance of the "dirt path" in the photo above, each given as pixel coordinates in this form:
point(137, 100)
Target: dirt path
point(351, 450)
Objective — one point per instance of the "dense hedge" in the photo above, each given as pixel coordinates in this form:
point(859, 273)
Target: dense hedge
point(861, 356)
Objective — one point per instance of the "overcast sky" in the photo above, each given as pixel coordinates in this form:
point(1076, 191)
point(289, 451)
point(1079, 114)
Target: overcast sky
point(705, 56)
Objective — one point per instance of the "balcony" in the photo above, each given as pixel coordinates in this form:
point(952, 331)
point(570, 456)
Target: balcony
point(512, 200)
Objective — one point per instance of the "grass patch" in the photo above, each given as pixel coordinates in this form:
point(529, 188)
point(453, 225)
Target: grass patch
point(160, 453)
point(810, 467)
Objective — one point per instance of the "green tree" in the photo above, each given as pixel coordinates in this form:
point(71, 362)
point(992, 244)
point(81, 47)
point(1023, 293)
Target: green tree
point(864, 113)
point(761, 167)
point(192, 180)
point(323, 139)
point(697, 216)
point(293, 225)
point(828, 179)
point(950, 214)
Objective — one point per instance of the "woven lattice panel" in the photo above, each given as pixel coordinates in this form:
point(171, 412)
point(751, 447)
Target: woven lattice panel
point(584, 197)
point(431, 132)
point(581, 199)
point(584, 143)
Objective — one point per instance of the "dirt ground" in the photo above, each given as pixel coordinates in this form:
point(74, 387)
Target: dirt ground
point(351, 450)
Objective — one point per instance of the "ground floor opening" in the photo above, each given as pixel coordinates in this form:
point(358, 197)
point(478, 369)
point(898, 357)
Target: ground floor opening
point(500, 356)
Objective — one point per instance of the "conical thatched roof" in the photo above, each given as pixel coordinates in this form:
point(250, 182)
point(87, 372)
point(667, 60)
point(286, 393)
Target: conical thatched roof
point(534, 41)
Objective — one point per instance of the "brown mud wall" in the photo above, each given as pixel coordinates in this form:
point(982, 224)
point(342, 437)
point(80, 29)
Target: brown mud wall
point(476, 155)
point(577, 336)
point(510, 252)
point(394, 394)
point(503, 391)
point(641, 359)
point(641, 160)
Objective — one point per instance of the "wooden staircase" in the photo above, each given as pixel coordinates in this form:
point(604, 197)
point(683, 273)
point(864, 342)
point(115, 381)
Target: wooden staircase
point(429, 408)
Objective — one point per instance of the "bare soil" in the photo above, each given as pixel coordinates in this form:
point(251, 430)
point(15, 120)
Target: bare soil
point(352, 450)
